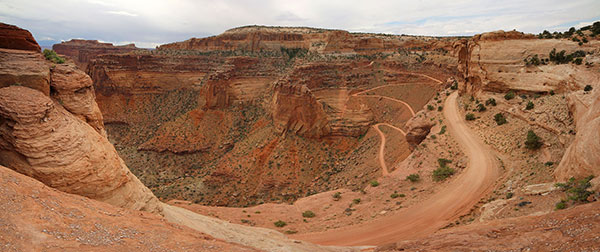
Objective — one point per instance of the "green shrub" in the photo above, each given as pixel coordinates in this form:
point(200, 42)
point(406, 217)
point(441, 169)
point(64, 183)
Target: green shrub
point(442, 130)
point(430, 107)
point(510, 95)
point(337, 196)
point(529, 106)
point(587, 88)
point(374, 183)
point(490, 101)
point(454, 85)
point(533, 141)
point(52, 56)
point(440, 108)
point(308, 214)
point(499, 118)
point(443, 172)
point(561, 205)
point(291, 231)
point(577, 189)
point(356, 201)
point(509, 195)
point(280, 223)
point(394, 195)
point(469, 117)
point(481, 107)
point(551, 92)
point(413, 177)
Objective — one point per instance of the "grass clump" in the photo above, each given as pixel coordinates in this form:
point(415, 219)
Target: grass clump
point(280, 223)
point(52, 56)
point(413, 177)
point(308, 214)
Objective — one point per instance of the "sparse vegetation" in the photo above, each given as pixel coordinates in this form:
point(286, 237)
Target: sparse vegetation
point(490, 101)
point(509, 195)
point(481, 107)
point(374, 183)
point(356, 201)
point(442, 130)
point(443, 171)
point(510, 95)
point(533, 141)
point(394, 195)
point(587, 88)
point(499, 118)
point(470, 117)
point(413, 177)
point(337, 196)
point(529, 105)
point(308, 214)
point(576, 190)
point(280, 223)
point(454, 85)
point(52, 56)
point(563, 58)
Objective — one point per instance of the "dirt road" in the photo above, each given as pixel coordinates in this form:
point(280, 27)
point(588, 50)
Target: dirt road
point(456, 199)
point(381, 155)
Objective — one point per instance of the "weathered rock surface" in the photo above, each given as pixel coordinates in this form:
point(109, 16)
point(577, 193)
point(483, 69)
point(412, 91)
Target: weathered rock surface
point(26, 68)
point(39, 138)
point(574, 229)
point(74, 91)
point(83, 51)
point(296, 110)
point(582, 157)
point(418, 128)
point(13, 37)
point(483, 68)
point(36, 217)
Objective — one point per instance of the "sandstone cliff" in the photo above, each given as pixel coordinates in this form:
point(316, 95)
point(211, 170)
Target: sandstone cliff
point(83, 51)
point(483, 68)
point(582, 157)
point(41, 139)
point(12, 37)
point(296, 110)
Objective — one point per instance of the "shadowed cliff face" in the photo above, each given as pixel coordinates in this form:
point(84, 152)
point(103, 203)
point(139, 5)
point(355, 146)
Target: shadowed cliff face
point(82, 51)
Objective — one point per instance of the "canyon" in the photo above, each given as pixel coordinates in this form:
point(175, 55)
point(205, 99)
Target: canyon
point(301, 139)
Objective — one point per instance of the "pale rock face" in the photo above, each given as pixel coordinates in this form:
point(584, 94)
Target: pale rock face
point(41, 139)
point(582, 158)
point(418, 127)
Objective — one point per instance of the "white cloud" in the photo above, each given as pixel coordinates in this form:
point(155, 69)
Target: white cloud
point(159, 21)
point(122, 13)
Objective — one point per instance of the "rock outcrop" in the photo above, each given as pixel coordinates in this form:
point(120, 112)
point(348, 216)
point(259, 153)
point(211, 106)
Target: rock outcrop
point(296, 110)
point(26, 68)
point(36, 217)
point(13, 37)
point(74, 91)
point(83, 51)
point(418, 128)
point(483, 68)
point(582, 157)
point(41, 139)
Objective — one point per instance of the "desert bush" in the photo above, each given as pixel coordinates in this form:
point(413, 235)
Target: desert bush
point(509, 195)
point(499, 118)
point(443, 171)
point(561, 205)
point(52, 56)
point(356, 201)
point(481, 107)
point(280, 223)
point(413, 177)
point(577, 190)
point(374, 183)
point(308, 214)
point(440, 108)
point(533, 141)
point(490, 101)
point(469, 117)
point(510, 95)
point(529, 105)
point(430, 107)
point(337, 196)
point(587, 88)
point(394, 195)
point(454, 85)
point(442, 130)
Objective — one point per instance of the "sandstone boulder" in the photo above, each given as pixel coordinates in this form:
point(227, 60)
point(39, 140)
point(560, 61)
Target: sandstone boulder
point(296, 110)
point(25, 68)
point(13, 37)
point(41, 139)
point(418, 128)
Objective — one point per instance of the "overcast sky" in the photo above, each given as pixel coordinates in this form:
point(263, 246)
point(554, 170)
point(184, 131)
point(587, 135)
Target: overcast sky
point(148, 23)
